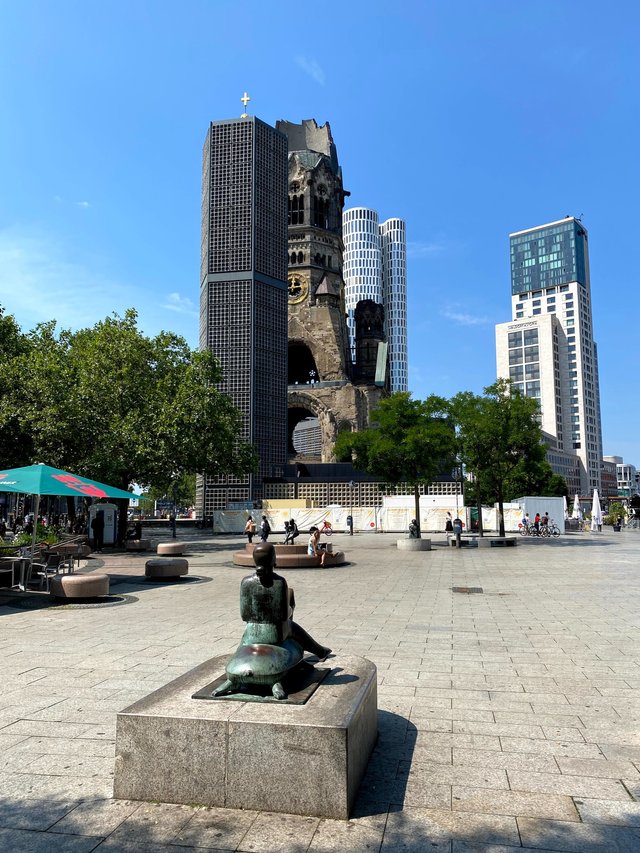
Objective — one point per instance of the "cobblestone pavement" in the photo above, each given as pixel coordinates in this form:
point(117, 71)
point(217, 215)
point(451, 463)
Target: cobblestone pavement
point(508, 718)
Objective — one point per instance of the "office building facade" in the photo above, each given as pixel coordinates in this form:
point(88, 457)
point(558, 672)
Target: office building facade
point(627, 480)
point(548, 350)
point(375, 268)
point(243, 291)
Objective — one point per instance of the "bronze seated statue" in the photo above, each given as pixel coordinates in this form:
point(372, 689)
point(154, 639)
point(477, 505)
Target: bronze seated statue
point(272, 644)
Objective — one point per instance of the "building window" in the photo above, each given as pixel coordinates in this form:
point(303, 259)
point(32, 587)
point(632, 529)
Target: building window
point(296, 210)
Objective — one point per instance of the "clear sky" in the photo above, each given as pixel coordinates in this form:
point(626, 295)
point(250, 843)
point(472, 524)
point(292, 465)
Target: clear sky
point(468, 119)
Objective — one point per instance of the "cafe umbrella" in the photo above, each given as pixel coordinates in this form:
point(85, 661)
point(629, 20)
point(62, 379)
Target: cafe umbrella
point(596, 512)
point(577, 513)
point(38, 480)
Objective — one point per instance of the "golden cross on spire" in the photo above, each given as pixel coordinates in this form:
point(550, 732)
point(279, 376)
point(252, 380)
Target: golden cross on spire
point(245, 100)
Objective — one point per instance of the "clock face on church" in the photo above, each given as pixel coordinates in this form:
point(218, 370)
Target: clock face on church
point(298, 288)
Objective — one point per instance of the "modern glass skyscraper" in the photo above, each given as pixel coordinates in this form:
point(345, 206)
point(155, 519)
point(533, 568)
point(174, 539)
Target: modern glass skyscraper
point(548, 350)
point(243, 290)
point(375, 267)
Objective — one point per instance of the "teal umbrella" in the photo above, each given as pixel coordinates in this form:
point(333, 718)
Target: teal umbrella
point(44, 480)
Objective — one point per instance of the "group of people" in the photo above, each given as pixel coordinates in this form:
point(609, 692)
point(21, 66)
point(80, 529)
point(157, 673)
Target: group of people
point(291, 533)
point(538, 521)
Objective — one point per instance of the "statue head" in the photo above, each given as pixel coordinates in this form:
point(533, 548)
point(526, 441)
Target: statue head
point(264, 556)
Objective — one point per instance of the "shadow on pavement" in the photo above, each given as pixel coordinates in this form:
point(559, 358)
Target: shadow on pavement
point(382, 787)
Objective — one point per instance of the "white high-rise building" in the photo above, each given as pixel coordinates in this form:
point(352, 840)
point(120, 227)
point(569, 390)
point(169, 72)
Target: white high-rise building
point(394, 298)
point(375, 267)
point(548, 350)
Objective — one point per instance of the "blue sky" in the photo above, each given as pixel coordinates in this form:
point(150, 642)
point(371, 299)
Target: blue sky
point(467, 119)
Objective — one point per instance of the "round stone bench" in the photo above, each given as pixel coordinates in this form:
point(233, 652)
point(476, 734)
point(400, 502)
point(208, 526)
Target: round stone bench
point(79, 586)
point(290, 557)
point(137, 544)
point(414, 544)
point(280, 548)
point(171, 549)
point(173, 567)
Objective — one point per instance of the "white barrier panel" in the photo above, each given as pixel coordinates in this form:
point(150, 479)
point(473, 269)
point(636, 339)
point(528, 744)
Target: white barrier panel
point(365, 519)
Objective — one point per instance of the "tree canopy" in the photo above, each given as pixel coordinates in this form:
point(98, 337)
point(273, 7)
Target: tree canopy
point(500, 442)
point(409, 441)
point(110, 403)
point(14, 437)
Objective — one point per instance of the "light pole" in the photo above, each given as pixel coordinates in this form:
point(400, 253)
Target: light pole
point(350, 519)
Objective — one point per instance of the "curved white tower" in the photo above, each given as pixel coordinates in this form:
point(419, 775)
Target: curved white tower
point(375, 267)
point(362, 262)
point(394, 298)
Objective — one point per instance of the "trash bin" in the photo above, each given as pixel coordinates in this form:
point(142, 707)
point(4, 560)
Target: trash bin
point(616, 528)
point(457, 529)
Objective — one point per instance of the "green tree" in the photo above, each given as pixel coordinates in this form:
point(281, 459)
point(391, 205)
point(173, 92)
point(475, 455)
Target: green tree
point(114, 405)
point(616, 510)
point(15, 439)
point(409, 441)
point(181, 492)
point(498, 434)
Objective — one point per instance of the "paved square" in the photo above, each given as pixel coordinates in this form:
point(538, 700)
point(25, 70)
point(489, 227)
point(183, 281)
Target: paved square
point(509, 719)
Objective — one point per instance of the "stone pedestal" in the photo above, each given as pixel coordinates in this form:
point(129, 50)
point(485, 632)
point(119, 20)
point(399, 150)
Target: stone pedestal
point(414, 544)
point(302, 759)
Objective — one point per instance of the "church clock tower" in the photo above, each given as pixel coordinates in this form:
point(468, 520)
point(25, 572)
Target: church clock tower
point(321, 375)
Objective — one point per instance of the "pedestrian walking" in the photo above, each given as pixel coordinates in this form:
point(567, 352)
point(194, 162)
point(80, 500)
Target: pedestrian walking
point(250, 529)
point(265, 529)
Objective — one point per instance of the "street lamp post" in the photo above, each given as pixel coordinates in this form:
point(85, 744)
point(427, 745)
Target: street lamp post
point(350, 519)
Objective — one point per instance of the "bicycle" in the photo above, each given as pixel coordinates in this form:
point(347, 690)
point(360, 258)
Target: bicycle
point(326, 528)
point(553, 530)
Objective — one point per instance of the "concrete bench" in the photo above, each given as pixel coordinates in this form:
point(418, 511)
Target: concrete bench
point(79, 586)
point(497, 542)
point(171, 549)
point(414, 544)
point(172, 567)
point(137, 545)
point(464, 543)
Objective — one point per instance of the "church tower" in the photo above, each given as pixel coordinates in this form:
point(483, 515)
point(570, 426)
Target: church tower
point(322, 382)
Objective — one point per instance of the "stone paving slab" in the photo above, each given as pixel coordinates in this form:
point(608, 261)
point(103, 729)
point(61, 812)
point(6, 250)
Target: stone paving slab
point(508, 720)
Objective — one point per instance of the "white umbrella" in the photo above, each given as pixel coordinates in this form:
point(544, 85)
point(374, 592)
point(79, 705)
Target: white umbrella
point(596, 512)
point(576, 508)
